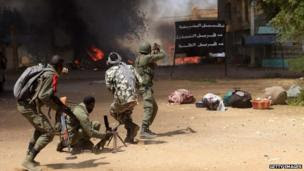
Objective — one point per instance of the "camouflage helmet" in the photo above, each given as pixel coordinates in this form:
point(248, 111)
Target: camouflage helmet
point(113, 58)
point(145, 48)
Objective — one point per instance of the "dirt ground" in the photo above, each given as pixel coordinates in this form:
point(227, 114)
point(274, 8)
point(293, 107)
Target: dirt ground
point(238, 139)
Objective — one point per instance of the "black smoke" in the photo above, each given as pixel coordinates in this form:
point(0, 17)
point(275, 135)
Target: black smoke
point(86, 23)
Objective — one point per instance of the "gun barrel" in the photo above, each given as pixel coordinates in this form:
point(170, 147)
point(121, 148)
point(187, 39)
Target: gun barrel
point(106, 122)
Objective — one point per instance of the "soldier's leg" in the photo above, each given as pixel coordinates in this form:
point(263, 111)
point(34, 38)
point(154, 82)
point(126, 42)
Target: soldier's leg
point(150, 111)
point(130, 126)
point(81, 141)
point(154, 111)
point(42, 136)
point(122, 113)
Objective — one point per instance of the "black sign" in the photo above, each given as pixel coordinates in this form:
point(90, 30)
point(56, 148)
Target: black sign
point(200, 38)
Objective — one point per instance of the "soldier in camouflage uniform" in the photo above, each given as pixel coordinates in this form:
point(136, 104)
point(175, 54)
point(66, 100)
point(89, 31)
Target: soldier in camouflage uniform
point(81, 129)
point(30, 109)
point(145, 65)
point(122, 80)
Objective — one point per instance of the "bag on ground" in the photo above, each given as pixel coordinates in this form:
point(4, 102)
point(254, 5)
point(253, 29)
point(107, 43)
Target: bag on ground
point(181, 96)
point(238, 99)
point(212, 102)
point(276, 94)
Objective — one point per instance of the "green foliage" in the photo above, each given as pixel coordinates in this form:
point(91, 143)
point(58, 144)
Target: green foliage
point(287, 17)
point(296, 64)
point(297, 101)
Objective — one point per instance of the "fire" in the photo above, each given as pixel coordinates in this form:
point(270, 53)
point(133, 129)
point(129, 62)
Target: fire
point(77, 62)
point(95, 53)
point(188, 60)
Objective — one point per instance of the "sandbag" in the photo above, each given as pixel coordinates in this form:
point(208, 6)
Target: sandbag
point(181, 96)
point(276, 94)
point(238, 99)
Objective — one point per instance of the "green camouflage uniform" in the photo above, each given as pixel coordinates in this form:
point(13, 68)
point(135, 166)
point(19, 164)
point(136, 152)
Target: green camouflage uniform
point(122, 80)
point(145, 65)
point(82, 129)
point(44, 131)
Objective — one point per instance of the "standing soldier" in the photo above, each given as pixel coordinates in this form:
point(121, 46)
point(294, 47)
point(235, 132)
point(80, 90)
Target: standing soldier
point(30, 107)
point(122, 80)
point(145, 65)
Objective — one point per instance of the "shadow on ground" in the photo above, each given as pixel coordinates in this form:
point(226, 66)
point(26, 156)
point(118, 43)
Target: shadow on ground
point(79, 165)
point(187, 130)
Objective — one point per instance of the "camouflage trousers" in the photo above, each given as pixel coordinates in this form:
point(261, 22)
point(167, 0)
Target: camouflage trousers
point(150, 106)
point(122, 113)
point(44, 132)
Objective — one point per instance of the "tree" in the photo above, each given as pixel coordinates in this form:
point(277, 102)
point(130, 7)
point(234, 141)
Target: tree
point(287, 16)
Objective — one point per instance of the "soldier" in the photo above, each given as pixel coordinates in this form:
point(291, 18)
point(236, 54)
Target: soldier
point(122, 80)
point(145, 65)
point(81, 129)
point(30, 106)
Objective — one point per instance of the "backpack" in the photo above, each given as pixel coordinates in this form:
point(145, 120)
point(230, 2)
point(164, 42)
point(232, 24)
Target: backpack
point(238, 99)
point(26, 83)
point(181, 96)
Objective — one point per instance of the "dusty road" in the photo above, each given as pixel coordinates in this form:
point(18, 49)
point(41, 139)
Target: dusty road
point(239, 139)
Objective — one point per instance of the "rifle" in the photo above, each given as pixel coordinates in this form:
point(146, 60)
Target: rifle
point(63, 108)
point(61, 120)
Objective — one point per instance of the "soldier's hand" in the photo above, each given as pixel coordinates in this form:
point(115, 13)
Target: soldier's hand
point(156, 48)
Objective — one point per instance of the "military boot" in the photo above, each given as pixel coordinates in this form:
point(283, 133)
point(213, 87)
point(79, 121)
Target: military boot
point(131, 133)
point(30, 148)
point(146, 134)
point(28, 162)
point(60, 146)
point(151, 132)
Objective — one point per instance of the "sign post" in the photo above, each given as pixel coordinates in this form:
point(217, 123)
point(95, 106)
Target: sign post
point(200, 38)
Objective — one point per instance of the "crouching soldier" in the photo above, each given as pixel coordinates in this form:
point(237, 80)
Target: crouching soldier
point(122, 80)
point(81, 129)
point(35, 88)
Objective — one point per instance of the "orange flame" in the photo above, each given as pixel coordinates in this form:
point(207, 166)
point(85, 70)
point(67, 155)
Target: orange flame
point(188, 60)
point(95, 53)
point(77, 62)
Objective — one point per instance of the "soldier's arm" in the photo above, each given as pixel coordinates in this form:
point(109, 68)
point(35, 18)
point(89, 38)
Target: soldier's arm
point(157, 56)
point(86, 124)
point(47, 92)
point(109, 80)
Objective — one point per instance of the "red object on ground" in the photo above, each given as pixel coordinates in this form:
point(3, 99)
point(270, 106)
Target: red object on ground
point(261, 104)
point(95, 53)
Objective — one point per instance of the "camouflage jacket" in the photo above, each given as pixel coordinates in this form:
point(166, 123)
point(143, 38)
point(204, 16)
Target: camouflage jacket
point(145, 65)
point(82, 115)
point(122, 80)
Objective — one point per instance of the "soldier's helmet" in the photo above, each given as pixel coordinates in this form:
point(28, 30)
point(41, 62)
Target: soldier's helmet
point(145, 48)
point(57, 62)
point(113, 58)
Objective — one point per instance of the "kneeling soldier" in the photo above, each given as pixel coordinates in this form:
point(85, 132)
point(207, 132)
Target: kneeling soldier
point(81, 129)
